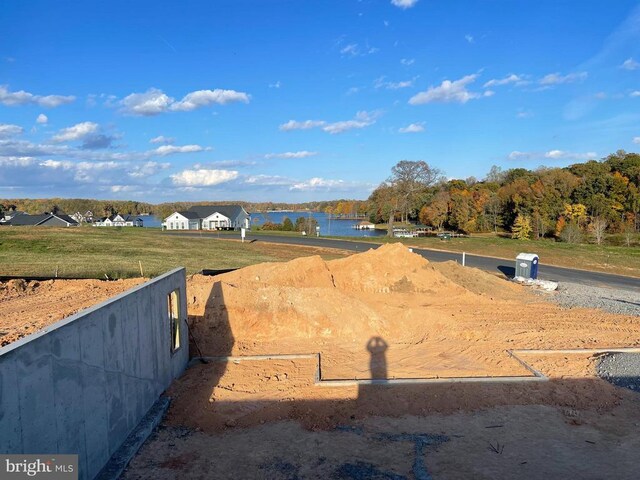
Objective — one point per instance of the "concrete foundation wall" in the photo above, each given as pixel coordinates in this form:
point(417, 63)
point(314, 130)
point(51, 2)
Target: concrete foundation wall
point(81, 385)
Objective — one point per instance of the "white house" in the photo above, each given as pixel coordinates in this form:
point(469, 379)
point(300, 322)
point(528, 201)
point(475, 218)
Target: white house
point(209, 217)
point(182, 221)
point(118, 220)
point(216, 221)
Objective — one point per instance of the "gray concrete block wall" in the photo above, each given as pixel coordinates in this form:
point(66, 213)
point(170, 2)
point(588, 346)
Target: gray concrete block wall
point(81, 385)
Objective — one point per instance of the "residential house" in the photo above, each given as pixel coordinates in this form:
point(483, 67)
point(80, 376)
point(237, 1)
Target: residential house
point(7, 216)
point(209, 217)
point(44, 220)
point(119, 220)
point(184, 220)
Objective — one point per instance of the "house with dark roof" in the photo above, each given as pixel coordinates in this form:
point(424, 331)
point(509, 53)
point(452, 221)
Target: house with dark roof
point(7, 216)
point(209, 217)
point(118, 220)
point(44, 220)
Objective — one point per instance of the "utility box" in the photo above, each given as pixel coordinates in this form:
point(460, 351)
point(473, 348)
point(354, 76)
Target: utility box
point(527, 265)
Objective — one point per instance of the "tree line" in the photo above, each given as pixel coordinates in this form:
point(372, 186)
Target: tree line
point(592, 197)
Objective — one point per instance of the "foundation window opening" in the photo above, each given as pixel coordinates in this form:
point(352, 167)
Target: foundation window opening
point(174, 319)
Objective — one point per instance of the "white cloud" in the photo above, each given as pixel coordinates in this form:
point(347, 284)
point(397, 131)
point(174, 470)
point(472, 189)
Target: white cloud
point(557, 79)
point(155, 101)
point(267, 180)
point(7, 130)
point(469, 38)
point(84, 172)
point(165, 150)
point(635, 93)
point(305, 125)
point(381, 83)
point(16, 161)
point(42, 119)
point(204, 98)
point(76, 132)
point(516, 155)
point(407, 62)
point(447, 92)
point(162, 139)
point(361, 120)
point(356, 50)
point(636, 139)
point(351, 49)
point(404, 4)
point(630, 64)
point(122, 188)
point(275, 85)
point(552, 155)
point(147, 169)
point(511, 78)
point(412, 128)
point(12, 99)
point(151, 102)
point(317, 183)
point(300, 154)
point(203, 177)
point(343, 126)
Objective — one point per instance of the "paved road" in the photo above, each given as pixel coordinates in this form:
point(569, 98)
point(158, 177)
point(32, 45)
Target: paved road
point(491, 264)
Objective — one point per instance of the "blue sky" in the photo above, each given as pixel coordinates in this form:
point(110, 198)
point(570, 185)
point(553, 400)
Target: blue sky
point(305, 100)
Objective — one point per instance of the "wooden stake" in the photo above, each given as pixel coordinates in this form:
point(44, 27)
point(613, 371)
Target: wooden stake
point(141, 271)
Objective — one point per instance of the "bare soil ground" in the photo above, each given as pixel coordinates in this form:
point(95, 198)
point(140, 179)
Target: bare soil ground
point(382, 315)
point(389, 314)
point(26, 307)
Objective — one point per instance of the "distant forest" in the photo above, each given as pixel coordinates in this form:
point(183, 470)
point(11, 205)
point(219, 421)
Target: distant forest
point(592, 197)
point(103, 208)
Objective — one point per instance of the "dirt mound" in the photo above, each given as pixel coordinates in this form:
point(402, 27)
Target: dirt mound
point(477, 281)
point(236, 318)
point(309, 303)
point(305, 272)
point(390, 268)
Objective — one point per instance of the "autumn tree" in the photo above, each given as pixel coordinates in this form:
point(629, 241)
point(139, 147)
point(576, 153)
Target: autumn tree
point(521, 229)
point(435, 213)
point(598, 227)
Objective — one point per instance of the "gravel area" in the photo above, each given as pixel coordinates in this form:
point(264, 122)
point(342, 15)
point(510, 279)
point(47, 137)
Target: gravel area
point(621, 369)
point(571, 295)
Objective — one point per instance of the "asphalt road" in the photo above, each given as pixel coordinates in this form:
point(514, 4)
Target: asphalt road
point(490, 264)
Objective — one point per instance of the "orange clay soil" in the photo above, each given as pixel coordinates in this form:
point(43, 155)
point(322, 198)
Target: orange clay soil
point(26, 307)
point(385, 313)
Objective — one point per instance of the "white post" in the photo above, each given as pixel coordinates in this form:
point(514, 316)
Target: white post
point(463, 258)
point(242, 233)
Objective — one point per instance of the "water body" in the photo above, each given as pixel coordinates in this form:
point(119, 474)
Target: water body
point(328, 227)
point(151, 221)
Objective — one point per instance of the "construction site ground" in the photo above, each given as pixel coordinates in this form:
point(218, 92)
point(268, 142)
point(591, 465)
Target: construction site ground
point(383, 365)
point(29, 306)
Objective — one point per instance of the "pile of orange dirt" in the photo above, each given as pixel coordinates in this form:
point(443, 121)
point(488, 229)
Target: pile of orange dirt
point(383, 314)
point(29, 306)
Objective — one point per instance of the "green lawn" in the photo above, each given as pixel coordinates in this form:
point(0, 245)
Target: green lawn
point(92, 252)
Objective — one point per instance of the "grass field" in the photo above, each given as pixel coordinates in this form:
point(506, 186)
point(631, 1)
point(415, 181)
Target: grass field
point(117, 252)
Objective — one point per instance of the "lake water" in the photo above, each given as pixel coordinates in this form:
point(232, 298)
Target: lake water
point(328, 227)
